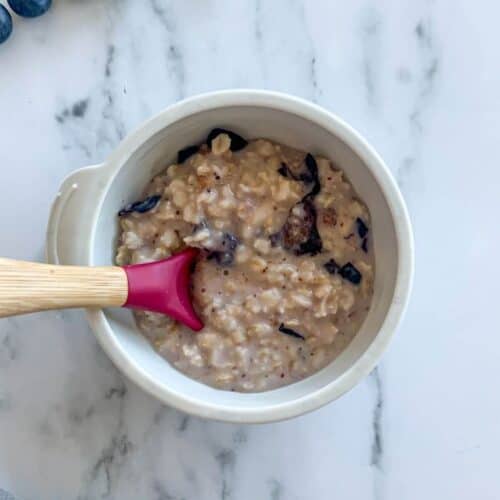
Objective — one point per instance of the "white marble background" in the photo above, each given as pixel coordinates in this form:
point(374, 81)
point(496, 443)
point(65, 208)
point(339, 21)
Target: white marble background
point(421, 80)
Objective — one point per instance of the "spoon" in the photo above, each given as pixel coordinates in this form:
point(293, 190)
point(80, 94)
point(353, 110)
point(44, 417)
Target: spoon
point(161, 286)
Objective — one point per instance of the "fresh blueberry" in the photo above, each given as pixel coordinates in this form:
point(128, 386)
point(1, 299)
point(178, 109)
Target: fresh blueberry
point(30, 8)
point(5, 24)
point(312, 174)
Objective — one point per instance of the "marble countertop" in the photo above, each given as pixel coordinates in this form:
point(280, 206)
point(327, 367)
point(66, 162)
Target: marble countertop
point(420, 80)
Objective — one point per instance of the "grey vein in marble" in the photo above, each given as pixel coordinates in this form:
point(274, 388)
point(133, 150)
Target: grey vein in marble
point(226, 459)
point(429, 58)
point(299, 35)
point(377, 446)
point(107, 467)
point(110, 55)
point(77, 110)
point(7, 348)
point(111, 457)
point(112, 129)
point(67, 118)
point(9, 343)
point(426, 75)
point(184, 423)
point(258, 33)
point(175, 61)
point(312, 65)
point(370, 33)
point(377, 443)
point(275, 489)
point(161, 492)
point(314, 78)
point(118, 392)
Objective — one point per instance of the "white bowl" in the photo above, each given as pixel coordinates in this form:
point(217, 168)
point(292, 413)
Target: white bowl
point(83, 227)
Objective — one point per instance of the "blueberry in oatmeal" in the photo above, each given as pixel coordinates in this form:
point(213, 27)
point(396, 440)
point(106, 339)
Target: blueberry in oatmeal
point(350, 273)
point(364, 245)
point(141, 206)
point(331, 266)
point(285, 171)
point(284, 279)
point(289, 331)
point(186, 153)
point(312, 174)
point(362, 228)
point(236, 141)
point(225, 254)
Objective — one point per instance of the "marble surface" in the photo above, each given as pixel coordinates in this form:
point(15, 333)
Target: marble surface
point(420, 80)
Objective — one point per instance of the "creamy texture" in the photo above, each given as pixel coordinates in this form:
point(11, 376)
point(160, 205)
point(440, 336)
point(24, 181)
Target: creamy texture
point(285, 278)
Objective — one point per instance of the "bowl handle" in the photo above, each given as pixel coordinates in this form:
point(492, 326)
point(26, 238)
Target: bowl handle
point(72, 215)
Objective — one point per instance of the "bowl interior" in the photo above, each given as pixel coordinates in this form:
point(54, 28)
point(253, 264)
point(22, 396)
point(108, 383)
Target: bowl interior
point(323, 136)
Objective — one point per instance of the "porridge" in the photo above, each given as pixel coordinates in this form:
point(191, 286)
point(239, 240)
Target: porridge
point(285, 276)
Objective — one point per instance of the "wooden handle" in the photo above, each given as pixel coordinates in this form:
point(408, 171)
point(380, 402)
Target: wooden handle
point(29, 287)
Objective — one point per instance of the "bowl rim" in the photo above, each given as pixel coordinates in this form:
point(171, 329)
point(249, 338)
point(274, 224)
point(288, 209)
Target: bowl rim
point(404, 278)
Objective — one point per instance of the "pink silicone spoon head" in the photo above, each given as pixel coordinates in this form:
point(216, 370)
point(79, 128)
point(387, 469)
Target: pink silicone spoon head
point(163, 287)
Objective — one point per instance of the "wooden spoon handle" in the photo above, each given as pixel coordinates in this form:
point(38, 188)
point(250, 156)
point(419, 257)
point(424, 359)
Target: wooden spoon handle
point(28, 287)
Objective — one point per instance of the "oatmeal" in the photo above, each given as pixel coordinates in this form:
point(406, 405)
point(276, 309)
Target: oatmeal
point(285, 276)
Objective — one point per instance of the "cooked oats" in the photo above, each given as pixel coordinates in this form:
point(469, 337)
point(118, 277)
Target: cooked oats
point(285, 276)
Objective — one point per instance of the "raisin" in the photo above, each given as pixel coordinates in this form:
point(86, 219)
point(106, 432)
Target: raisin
point(186, 153)
point(350, 273)
point(297, 227)
point(237, 142)
point(141, 206)
point(331, 266)
point(288, 331)
point(299, 233)
point(362, 228)
point(330, 216)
